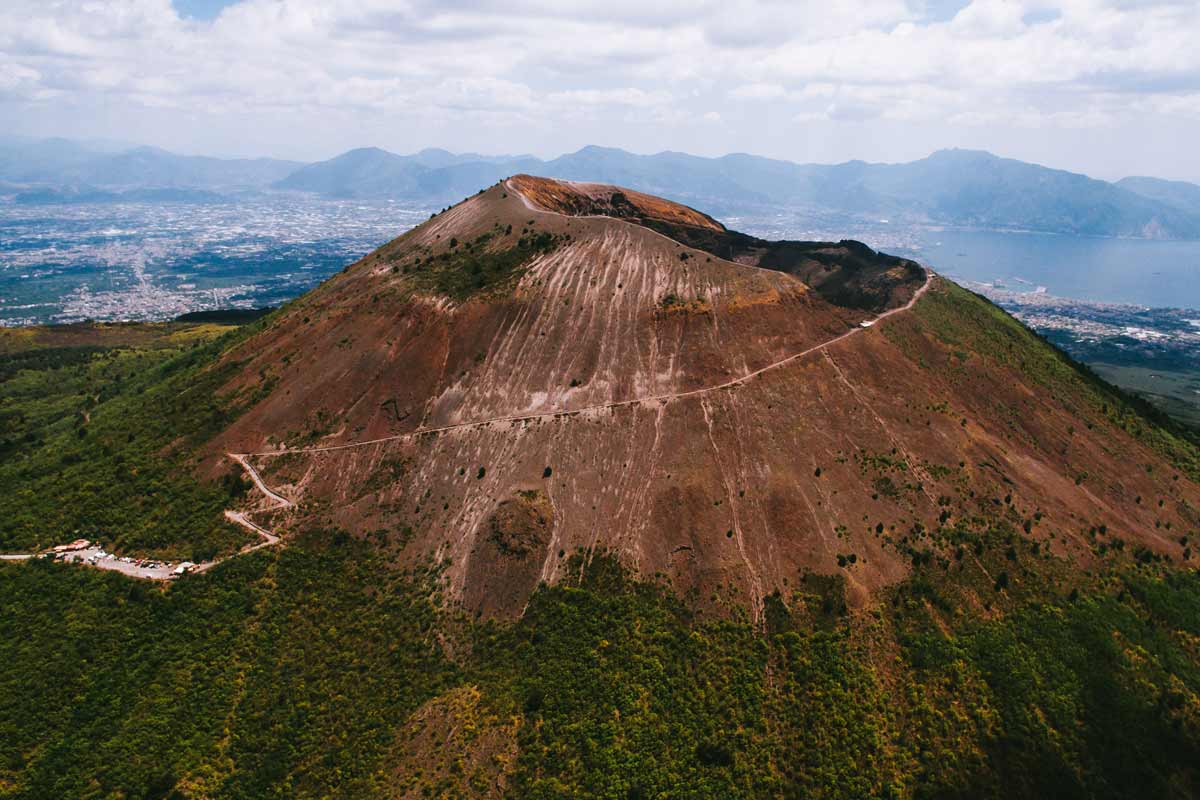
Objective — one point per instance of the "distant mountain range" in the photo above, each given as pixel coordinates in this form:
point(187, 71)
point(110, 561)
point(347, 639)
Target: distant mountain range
point(962, 188)
point(72, 168)
point(437, 176)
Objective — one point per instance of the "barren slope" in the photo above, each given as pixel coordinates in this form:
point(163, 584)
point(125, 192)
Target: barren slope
point(599, 311)
point(609, 358)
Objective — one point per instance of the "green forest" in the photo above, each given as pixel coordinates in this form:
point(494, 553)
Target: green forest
point(96, 441)
point(296, 672)
point(320, 669)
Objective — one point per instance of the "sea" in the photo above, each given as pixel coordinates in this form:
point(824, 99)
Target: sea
point(1155, 274)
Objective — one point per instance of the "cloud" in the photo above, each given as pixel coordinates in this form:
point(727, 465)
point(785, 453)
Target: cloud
point(1058, 65)
point(759, 91)
point(635, 98)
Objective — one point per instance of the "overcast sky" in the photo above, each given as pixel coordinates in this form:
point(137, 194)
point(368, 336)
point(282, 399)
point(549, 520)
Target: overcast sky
point(1108, 87)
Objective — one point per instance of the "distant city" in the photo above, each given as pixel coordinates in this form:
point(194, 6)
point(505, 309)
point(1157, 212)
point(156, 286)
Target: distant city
point(63, 263)
point(1154, 352)
point(155, 261)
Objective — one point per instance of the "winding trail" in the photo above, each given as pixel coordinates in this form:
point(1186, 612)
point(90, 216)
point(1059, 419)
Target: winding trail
point(656, 398)
point(242, 518)
point(278, 501)
point(95, 556)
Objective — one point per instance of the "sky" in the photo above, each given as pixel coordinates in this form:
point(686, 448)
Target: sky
point(1106, 87)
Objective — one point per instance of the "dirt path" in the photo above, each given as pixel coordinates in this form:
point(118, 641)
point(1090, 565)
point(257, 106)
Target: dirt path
point(154, 570)
point(663, 398)
point(278, 499)
point(865, 324)
point(242, 519)
point(283, 502)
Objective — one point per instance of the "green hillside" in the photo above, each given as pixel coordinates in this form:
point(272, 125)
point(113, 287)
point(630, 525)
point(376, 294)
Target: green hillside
point(98, 429)
point(298, 674)
point(321, 670)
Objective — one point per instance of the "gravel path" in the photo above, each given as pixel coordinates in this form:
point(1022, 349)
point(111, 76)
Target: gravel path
point(94, 556)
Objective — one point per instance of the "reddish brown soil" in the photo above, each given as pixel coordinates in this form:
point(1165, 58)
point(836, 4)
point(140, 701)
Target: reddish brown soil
point(575, 199)
point(505, 565)
point(728, 494)
point(364, 356)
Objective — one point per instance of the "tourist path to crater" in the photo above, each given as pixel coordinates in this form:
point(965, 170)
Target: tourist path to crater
point(278, 501)
point(281, 501)
point(648, 399)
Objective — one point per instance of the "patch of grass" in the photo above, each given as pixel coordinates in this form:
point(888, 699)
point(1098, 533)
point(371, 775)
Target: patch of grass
point(478, 267)
point(98, 443)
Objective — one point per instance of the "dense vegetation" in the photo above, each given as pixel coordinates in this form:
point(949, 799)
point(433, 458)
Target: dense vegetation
point(274, 676)
point(492, 262)
point(96, 442)
point(319, 669)
point(225, 316)
point(297, 672)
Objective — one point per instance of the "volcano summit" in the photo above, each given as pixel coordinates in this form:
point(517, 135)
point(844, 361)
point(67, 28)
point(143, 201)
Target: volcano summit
point(553, 368)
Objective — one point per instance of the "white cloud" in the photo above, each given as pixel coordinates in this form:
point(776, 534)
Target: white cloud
point(634, 98)
point(759, 91)
point(641, 69)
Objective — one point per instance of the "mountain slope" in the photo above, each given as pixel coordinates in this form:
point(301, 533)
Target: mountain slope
point(1179, 194)
point(977, 188)
point(783, 554)
point(148, 166)
point(369, 172)
point(958, 187)
point(950, 187)
point(599, 385)
point(63, 163)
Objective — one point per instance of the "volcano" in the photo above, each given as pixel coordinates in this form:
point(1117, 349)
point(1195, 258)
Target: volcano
point(553, 369)
point(571, 491)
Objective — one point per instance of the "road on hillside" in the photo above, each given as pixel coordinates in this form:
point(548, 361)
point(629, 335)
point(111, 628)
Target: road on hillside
point(862, 326)
point(242, 519)
point(241, 457)
point(281, 501)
